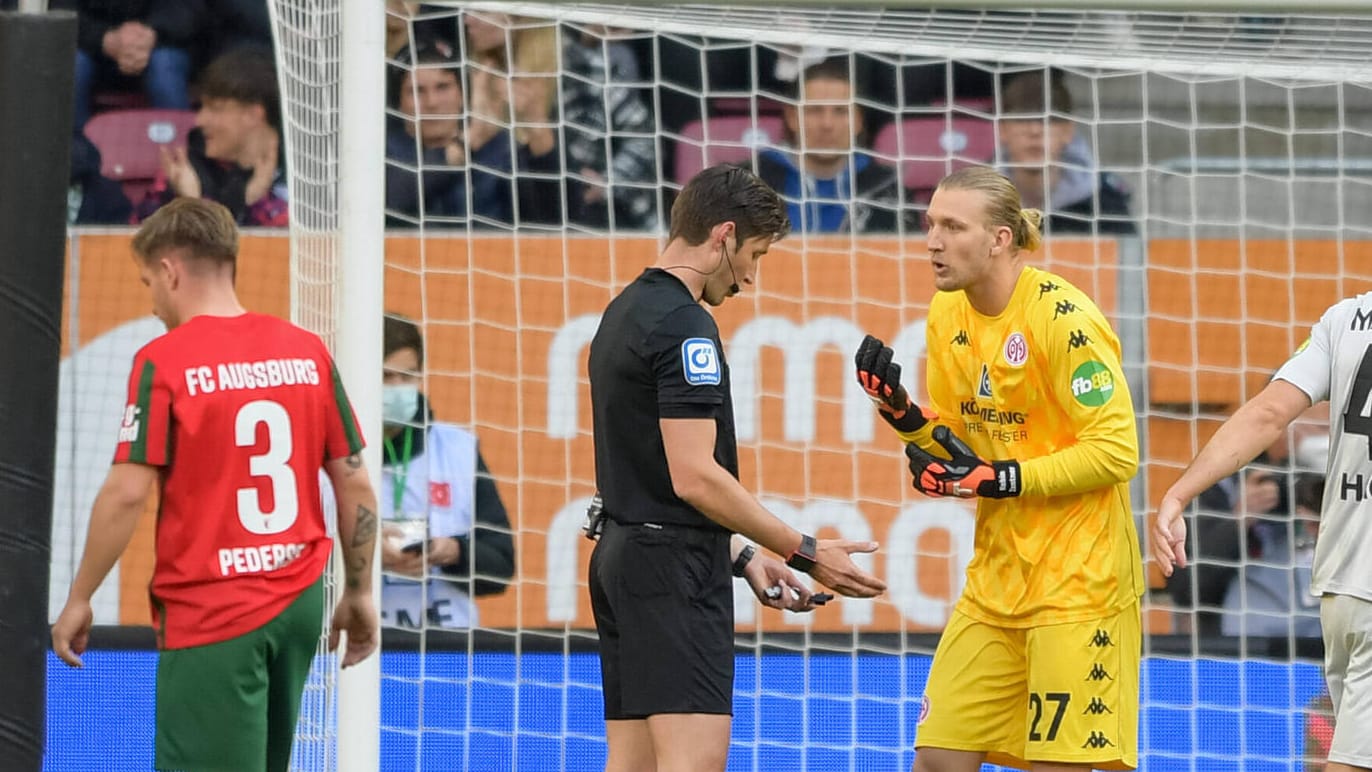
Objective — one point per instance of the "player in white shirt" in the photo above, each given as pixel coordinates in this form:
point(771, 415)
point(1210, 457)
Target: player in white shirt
point(1335, 364)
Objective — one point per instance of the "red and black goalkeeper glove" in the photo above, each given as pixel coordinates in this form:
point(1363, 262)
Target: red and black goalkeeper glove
point(880, 378)
point(963, 473)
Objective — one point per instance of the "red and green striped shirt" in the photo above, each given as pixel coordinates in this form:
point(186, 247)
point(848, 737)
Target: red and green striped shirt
point(240, 413)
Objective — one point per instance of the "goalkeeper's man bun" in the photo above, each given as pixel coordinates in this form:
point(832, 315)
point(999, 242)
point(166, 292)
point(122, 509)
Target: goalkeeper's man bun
point(1029, 236)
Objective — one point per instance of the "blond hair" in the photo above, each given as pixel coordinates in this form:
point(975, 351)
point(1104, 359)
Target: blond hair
point(204, 229)
point(1003, 207)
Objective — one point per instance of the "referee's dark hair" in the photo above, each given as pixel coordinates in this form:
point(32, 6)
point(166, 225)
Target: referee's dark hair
point(398, 332)
point(723, 193)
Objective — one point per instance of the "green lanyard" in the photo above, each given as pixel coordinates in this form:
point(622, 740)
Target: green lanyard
point(400, 469)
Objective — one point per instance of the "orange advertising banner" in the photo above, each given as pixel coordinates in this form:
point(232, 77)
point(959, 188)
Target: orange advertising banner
point(507, 323)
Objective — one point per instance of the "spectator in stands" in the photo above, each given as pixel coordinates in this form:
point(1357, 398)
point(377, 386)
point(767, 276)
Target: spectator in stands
point(1051, 163)
point(1270, 595)
point(610, 133)
point(441, 511)
point(133, 45)
point(431, 154)
point(231, 24)
point(1247, 520)
point(92, 198)
point(512, 84)
point(234, 154)
point(409, 23)
point(830, 187)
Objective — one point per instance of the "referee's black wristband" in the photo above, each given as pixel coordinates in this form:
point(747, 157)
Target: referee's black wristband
point(805, 556)
point(741, 562)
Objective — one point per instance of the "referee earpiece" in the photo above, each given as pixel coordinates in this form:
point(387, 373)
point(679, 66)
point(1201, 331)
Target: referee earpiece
point(724, 251)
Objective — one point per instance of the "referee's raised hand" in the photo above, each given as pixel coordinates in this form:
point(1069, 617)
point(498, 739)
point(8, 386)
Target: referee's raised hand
point(837, 571)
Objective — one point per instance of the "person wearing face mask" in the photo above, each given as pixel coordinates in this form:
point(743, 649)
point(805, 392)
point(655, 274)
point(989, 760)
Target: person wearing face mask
point(441, 512)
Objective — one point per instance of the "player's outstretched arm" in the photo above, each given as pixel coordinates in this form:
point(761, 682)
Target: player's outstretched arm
point(700, 481)
point(357, 526)
point(113, 517)
point(1252, 428)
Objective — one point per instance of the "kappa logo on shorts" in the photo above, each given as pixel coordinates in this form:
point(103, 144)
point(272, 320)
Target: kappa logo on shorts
point(1098, 673)
point(701, 362)
point(1101, 639)
point(1096, 707)
point(1097, 740)
point(923, 709)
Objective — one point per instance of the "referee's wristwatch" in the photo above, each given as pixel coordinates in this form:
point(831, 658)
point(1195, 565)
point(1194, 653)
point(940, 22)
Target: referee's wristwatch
point(745, 556)
point(803, 559)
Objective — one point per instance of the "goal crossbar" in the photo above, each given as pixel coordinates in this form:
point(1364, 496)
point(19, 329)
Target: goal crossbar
point(1195, 46)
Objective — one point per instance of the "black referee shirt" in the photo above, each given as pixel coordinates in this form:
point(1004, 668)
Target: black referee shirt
point(656, 354)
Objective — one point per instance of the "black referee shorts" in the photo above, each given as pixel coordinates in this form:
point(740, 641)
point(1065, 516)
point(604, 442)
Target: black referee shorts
point(664, 608)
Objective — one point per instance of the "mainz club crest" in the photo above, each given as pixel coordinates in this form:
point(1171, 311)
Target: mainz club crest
point(1016, 349)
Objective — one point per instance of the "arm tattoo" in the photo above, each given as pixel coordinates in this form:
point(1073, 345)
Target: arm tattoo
point(365, 531)
point(354, 461)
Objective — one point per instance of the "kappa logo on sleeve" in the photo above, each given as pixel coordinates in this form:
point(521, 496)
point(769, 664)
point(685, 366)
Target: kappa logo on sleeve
point(701, 361)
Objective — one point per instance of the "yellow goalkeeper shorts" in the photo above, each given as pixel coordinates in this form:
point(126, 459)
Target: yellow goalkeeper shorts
point(1065, 693)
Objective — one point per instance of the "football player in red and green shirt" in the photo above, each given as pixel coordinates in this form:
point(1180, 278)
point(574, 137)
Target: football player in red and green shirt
point(232, 414)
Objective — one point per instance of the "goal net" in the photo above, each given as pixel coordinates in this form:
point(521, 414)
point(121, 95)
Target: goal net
point(1205, 177)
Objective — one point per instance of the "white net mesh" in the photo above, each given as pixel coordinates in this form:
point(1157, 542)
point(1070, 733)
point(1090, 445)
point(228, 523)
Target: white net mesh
point(308, 47)
point(1208, 194)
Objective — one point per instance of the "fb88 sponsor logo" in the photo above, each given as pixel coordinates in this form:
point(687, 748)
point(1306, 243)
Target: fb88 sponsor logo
point(1093, 384)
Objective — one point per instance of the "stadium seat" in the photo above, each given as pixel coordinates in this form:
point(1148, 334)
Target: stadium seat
point(931, 146)
point(130, 143)
point(724, 139)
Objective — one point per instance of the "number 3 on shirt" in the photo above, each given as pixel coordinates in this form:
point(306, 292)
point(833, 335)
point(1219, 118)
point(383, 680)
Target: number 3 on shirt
point(274, 465)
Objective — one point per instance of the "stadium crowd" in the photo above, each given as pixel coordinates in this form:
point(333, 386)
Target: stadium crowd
point(501, 122)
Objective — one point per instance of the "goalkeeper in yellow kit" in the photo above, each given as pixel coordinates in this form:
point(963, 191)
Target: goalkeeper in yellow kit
point(1038, 667)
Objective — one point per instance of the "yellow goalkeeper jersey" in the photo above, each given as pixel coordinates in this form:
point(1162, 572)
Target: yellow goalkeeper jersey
point(1041, 384)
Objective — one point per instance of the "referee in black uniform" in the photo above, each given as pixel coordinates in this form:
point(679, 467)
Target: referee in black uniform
point(667, 474)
